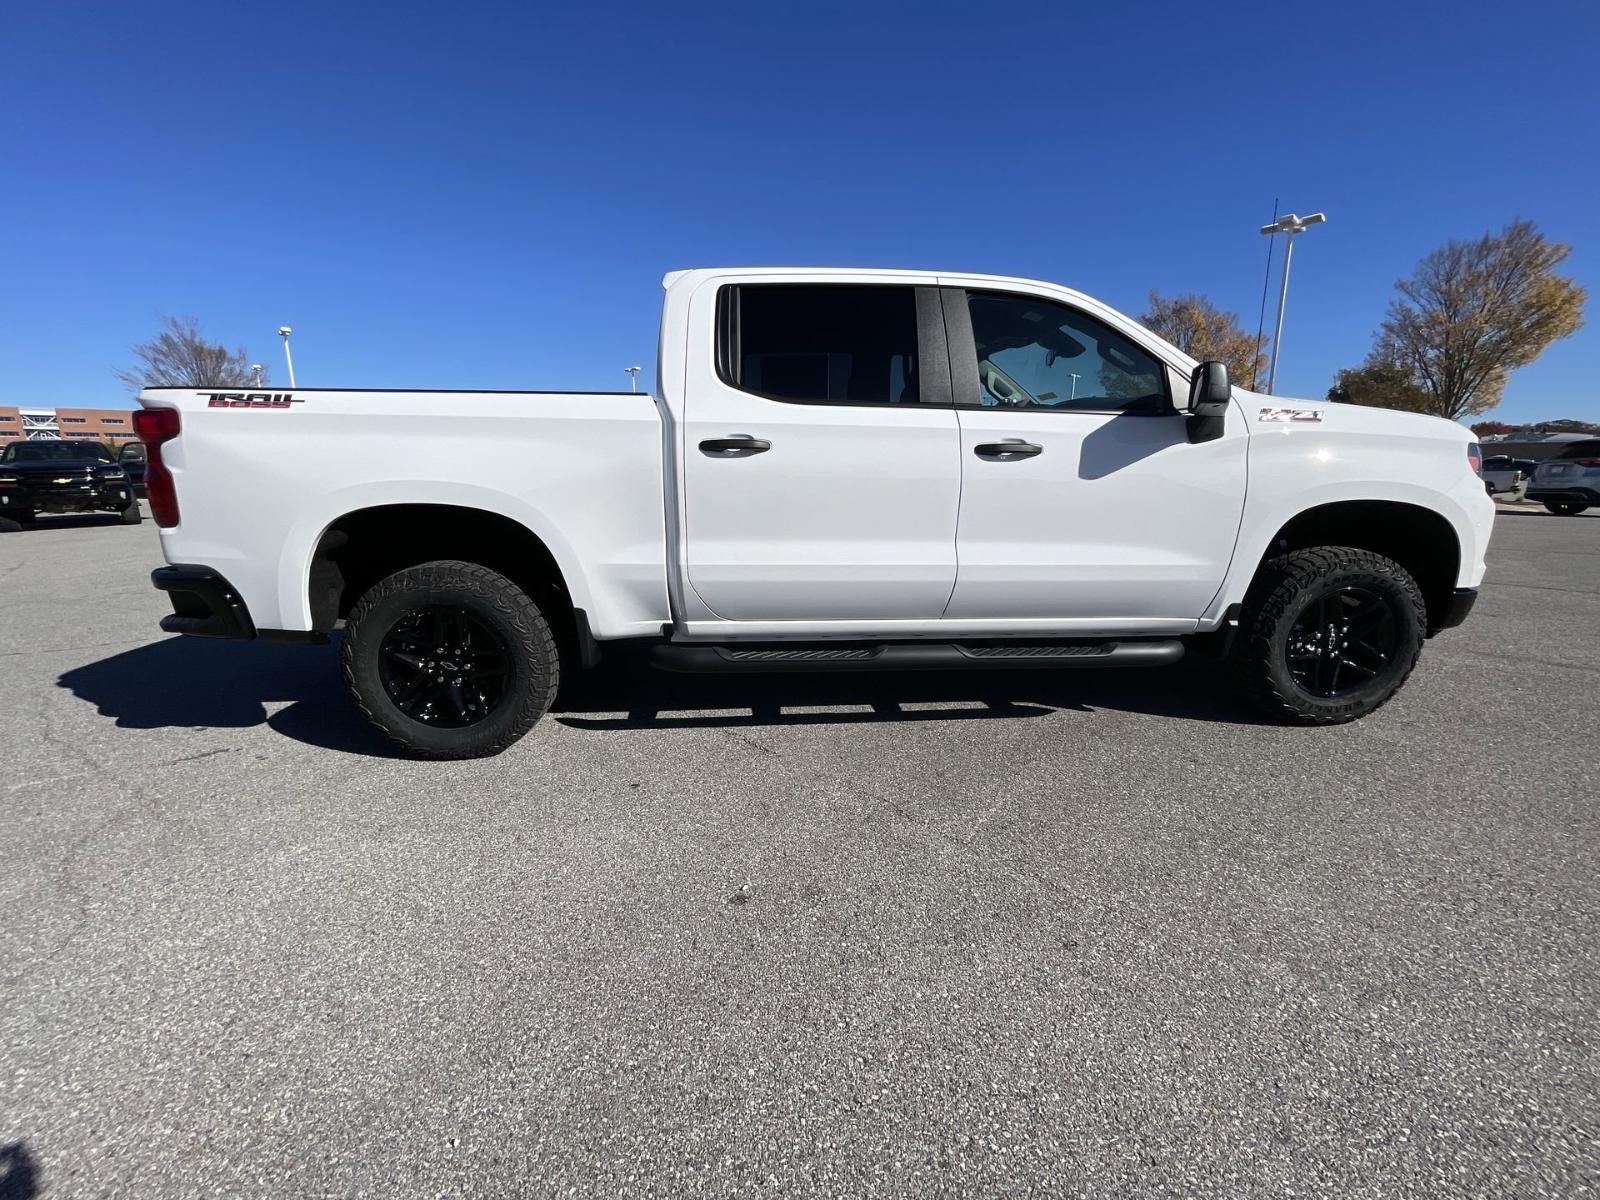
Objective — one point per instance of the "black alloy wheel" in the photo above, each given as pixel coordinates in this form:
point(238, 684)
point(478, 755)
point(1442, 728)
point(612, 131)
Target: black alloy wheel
point(1341, 641)
point(442, 666)
point(449, 659)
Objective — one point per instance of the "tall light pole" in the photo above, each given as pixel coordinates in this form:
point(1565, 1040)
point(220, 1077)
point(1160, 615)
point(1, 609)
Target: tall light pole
point(633, 378)
point(284, 331)
point(1289, 225)
point(256, 369)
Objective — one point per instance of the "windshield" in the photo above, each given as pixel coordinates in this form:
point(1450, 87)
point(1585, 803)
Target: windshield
point(53, 452)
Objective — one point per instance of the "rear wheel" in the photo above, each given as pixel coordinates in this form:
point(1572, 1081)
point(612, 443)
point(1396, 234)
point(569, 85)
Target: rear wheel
point(450, 660)
point(1564, 509)
point(1328, 635)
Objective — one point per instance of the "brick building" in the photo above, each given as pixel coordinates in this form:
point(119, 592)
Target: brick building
point(110, 425)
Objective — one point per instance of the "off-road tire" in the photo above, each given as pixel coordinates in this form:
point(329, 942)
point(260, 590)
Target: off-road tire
point(1283, 590)
point(490, 598)
point(131, 515)
point(1564, 510)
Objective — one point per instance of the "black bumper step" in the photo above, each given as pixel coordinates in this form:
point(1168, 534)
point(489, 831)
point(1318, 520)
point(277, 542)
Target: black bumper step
point(915, 656)
point(204, 604)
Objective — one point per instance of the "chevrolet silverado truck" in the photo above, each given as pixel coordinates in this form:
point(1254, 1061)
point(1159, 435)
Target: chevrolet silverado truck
point(47, 475)
point(841, 470)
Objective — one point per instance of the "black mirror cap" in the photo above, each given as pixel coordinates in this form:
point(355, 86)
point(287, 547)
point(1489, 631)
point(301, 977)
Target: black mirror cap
point(1209, 390)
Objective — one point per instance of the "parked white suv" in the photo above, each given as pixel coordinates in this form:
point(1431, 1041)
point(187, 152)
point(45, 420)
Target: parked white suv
point(1570, 482)
point(843, 470)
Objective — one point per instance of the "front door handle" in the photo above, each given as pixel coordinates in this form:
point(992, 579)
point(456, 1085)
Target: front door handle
point(1011, 449)
point(742, 443)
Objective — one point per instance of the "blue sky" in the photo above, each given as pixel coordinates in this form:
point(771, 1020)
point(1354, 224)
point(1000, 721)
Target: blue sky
point(486, 195)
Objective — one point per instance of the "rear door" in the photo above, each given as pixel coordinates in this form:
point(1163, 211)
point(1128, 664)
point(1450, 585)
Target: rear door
point(821, 461)
point(1083, 499)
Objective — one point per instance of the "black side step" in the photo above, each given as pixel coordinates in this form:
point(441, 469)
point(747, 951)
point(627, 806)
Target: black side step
point(914, 656)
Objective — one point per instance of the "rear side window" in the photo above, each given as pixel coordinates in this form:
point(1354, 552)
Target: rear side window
point(1581, 450)
point(819, 343)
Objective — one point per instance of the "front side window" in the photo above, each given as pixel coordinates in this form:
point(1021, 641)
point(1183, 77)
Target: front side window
point(819, 343)
point(1035, 353)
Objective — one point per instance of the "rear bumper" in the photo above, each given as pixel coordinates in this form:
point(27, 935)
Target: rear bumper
point(204, 604)
point(1457, 611)
point(1572, 495)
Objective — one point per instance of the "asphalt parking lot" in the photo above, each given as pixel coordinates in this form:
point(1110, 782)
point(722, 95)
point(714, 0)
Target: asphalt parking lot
point(1085, 934)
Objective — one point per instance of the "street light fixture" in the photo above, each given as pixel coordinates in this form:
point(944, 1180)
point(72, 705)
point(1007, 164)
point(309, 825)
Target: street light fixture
point(256, 369)
point(1289, 225)
point(284, 331)
point(633, 378)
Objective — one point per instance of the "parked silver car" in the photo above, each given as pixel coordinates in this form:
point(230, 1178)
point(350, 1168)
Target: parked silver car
point(1570, 482)
point(1503, 475)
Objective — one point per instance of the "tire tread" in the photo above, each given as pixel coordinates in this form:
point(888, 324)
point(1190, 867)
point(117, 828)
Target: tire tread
point(532, 635)
point(1280, 585)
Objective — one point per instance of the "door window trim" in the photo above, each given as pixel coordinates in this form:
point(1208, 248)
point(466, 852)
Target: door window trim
point(933, 358)
point(965, 387)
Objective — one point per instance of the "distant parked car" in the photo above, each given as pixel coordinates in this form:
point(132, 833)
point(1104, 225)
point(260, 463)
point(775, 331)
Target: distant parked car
point(44, 476)
point(131, 459)
point(1570, 482)
point(1504, 474)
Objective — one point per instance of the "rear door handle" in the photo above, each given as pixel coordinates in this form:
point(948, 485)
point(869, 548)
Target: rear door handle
point(741, 442)
point(1011, 449)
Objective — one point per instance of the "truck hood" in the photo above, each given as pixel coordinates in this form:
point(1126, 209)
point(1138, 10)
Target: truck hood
point(1265, 411)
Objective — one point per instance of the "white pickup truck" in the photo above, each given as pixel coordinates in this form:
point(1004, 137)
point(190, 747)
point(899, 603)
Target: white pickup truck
point(842, 470)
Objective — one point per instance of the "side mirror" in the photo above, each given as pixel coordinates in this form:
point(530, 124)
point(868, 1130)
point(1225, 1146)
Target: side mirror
point(1209, 390)
point(1209, 393)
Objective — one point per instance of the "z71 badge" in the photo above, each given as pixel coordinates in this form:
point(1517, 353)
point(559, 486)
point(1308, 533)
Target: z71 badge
point(1292, 416)
point(251, 399)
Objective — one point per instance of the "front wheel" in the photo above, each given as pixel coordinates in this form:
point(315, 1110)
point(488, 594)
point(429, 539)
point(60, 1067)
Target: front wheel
point(1562, 509)
point(1328, 635)
point(450, 660)
point(131, 515)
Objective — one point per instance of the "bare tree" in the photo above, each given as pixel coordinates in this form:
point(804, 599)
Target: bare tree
point(1474, 312)
point(180, 357)
point(1200, 329)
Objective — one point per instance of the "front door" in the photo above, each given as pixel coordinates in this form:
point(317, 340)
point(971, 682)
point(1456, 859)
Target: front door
point(1082, 498)
point(821, 458)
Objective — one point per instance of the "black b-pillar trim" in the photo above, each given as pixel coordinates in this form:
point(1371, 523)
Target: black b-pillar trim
point(964, 386)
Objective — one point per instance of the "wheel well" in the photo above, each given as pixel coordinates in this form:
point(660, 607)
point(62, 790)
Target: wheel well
point(362, 547)
point(1419, 539)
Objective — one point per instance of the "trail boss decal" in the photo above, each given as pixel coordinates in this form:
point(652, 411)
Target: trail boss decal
point(1292, 416)
point(251, 399)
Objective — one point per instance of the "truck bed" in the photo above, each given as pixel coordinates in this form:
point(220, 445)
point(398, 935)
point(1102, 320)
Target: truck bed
point(260, 475)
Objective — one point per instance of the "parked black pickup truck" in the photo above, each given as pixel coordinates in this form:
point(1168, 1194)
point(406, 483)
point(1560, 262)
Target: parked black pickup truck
point(63, 477)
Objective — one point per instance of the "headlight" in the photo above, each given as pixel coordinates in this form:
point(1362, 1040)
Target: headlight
point(114, 475)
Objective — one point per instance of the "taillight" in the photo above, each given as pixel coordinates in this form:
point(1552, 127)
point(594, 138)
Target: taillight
point(1475, 458)
point(155, 426)
point(1587, 462)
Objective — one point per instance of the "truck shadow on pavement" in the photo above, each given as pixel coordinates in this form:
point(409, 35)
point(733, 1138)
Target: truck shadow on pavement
point(189, 683)
point(19, 1173)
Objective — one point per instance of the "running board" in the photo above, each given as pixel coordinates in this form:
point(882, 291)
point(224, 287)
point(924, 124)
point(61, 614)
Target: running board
point(914, 656)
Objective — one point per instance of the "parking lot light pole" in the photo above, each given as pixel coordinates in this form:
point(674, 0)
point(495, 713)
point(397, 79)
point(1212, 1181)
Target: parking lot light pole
point(1289, 225)
point(284, 331)
point(633, 378)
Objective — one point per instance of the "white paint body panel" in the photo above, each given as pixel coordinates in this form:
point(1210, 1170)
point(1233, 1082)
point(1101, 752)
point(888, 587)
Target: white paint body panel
point(860, 523)
point(258, 487)
point(850, 515)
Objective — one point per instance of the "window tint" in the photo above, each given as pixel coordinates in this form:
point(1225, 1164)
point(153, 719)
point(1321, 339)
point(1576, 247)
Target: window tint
point(1034, 353)
point(820, 344)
